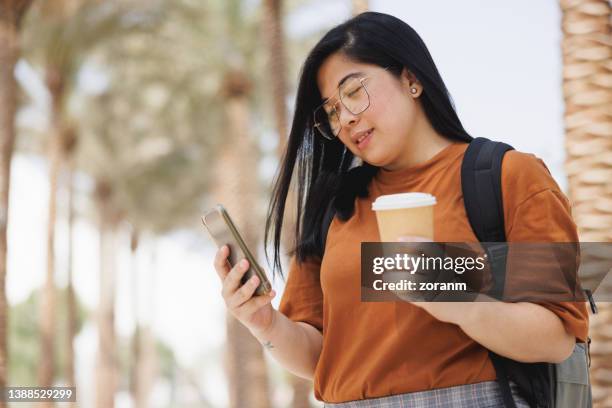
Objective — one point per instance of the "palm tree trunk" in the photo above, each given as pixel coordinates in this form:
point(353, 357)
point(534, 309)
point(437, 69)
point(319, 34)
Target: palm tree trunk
point(71, 308)
point(359, 6)
point(8, 55)
point(10, 18)
point(145, 365)
point(68, 142)
point(135, 377)
point(277, 67)
point(55, 85)
point(238, 190)
point(587, 53)
point(135, 381)
point(273, 14)
point(106, 371)
point(148, 366)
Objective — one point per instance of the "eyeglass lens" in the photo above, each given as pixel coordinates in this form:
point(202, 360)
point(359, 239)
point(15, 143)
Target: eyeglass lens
point(353, 96)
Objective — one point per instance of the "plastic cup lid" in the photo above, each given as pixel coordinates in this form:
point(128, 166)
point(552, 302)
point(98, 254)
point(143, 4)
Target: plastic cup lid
point(403, 200)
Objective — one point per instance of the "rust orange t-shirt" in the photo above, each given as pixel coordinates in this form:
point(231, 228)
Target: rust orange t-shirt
point(375, 349)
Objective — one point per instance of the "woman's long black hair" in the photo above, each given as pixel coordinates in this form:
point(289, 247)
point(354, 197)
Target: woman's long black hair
point(324, 174)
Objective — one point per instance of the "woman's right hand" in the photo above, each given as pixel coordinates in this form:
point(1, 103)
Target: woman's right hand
point(254, 312)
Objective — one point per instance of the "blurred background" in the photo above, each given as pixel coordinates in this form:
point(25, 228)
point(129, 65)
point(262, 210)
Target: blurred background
point(122, 121)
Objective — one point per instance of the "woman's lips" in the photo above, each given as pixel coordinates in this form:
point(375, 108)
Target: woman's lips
point(365, 140)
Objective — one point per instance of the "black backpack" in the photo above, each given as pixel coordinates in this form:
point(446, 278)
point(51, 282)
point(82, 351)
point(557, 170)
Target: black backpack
point(541, 384)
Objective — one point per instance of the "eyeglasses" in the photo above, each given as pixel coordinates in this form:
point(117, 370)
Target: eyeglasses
point(353, 95)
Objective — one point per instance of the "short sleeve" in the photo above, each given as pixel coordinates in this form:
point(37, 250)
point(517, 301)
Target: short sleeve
point(537, 211)
point(302, 299)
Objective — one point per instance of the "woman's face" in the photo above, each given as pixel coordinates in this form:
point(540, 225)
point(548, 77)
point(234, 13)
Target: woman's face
point(381, 134)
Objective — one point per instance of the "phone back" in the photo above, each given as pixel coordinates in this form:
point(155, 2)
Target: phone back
point(223, 232)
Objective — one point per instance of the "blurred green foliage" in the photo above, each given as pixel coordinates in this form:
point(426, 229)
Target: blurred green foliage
point(24, 343)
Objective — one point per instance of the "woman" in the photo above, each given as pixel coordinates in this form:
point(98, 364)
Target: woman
point(373, 117)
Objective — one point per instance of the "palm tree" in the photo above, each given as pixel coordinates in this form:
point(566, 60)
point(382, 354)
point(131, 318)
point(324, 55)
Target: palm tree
point(273, 23)
point(47, 311)
point(69, 144)
point(238, 190)
point(11, 14)
point(143, 367)
point(165, 143)
point(152, 156)
point(587, 52)
point(58, 69)
point(60, 34)
point(106, 373)
point(135, 377)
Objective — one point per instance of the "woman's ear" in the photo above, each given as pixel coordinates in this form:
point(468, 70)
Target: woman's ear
point(411, 83)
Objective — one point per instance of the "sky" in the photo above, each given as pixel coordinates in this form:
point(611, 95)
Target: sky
point(501, 62)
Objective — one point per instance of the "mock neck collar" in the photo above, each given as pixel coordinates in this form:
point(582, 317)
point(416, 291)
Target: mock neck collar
point(387, 177)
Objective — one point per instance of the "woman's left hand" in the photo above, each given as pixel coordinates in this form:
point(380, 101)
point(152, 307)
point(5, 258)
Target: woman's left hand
point(505, 328)
point(450, 312)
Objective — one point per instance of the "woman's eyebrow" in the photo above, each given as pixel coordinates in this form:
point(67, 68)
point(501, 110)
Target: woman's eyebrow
point(343, 80)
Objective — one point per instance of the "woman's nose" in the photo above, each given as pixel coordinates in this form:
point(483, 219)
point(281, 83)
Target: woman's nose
point(347, 118)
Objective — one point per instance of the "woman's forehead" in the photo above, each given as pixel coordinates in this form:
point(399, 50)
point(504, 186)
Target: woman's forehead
point(336, 69)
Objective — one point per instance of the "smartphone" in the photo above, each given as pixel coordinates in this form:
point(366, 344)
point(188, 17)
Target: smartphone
point(224, 232)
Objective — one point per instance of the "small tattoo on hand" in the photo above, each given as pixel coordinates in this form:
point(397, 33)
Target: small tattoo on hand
point(268, 344)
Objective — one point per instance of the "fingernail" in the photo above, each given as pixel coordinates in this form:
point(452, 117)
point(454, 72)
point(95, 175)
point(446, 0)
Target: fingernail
point(244, 263)
point(254, 280)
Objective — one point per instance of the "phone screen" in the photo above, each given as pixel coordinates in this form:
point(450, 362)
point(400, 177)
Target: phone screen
point(223, 232)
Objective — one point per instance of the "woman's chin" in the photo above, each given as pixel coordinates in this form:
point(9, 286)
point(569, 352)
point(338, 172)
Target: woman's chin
point(375, 160)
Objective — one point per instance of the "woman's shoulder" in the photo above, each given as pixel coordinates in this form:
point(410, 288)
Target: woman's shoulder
point(524, 175)
point(535, 208)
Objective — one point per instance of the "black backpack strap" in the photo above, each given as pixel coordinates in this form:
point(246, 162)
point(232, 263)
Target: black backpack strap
point(502, 379)
point(482, 197)
point(482, 191)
